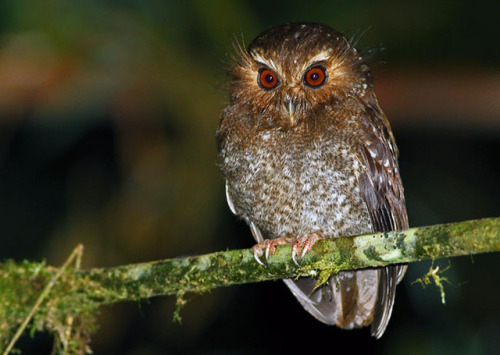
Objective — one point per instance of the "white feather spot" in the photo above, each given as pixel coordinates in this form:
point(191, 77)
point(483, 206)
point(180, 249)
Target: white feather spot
point(266, 136)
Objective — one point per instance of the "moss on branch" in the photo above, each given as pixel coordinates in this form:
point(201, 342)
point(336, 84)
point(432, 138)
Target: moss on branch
point(78, 293)
point(202, 273)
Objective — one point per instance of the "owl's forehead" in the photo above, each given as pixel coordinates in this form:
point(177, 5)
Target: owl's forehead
point(294, 43)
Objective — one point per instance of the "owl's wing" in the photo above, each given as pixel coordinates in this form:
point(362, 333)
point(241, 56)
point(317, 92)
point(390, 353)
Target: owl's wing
point(230, 201)
point(357, 298)
point(382, 190)
point(347, 300)
point(257, 235)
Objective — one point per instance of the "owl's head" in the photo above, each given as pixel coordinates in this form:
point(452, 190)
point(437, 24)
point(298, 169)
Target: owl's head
point(292, 72)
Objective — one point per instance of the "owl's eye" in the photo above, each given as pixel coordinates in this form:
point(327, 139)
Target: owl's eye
point(267, 79)
point(316, 77)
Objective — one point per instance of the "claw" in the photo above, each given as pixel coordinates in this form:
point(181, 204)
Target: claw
point(306, 249)
point(267, 248)
point(304, 243)
point(257, 252)
point(295, 250)
point(257, 259)
point(268, 252)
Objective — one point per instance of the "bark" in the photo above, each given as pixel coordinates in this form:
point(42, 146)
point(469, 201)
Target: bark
point(66, 298)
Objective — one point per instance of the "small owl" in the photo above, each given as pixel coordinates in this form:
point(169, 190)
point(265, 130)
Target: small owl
point(307, 153)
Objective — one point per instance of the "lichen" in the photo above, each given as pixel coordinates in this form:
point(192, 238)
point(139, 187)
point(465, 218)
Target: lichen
point(69, 310)
point(45, 299)
point(180, 302)
point(434, 276)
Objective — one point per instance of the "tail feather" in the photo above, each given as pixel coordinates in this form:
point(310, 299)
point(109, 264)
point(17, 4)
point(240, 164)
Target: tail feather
point(351, 299)
point(390, 276)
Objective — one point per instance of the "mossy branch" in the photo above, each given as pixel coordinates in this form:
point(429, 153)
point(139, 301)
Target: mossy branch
point(202, 273)
point(78, 293)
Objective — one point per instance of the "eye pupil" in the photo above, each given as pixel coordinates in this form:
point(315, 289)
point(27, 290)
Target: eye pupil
point(269, 78)
point(316, 77)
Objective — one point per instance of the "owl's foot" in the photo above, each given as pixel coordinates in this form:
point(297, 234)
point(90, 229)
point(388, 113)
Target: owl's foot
point(304, 244)
point(268, 247)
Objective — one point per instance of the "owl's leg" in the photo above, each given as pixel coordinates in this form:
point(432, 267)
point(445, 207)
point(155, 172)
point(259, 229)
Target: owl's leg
point(304, 243)
point(268, 247)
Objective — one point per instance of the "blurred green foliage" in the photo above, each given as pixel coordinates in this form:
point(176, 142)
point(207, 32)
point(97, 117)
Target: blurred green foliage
point(108, 111)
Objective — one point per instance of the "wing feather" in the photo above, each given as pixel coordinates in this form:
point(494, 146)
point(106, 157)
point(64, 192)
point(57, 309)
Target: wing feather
point(382, 191)
point(356, 299)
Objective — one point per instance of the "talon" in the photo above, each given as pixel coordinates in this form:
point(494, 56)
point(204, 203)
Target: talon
point(258, 260)
point(295, 250)
point(257, 253)
point(269, 251)
point(267, 248)
point(306, 249)
point(304, 243)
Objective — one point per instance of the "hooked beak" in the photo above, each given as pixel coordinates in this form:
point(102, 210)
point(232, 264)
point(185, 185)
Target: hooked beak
point(290, 108)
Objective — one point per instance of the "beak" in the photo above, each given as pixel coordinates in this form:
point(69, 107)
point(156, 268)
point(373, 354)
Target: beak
point(290, 108)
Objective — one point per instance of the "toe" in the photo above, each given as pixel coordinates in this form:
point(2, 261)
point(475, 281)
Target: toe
point(295, 251)
point(303, 245)
point(313, 238)
point(257, 253)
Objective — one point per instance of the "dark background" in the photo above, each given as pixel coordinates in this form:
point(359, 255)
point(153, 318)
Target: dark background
point(108, 112)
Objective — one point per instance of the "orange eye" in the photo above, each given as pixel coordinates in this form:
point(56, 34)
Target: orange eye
point(267, 79)
point(316, 77)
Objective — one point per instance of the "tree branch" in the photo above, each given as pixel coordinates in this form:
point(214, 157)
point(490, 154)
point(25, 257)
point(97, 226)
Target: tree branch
point(202, 273)
point(80, 292)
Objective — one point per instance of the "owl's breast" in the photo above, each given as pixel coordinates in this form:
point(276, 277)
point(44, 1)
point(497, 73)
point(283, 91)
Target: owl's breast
point(293, 186)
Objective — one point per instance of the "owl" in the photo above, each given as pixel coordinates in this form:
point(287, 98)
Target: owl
point(306, 154)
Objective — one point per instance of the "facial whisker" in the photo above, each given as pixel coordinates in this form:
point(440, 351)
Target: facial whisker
point(353, 41)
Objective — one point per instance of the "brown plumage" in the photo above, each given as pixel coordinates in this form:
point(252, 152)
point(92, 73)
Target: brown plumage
point(307, 153)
